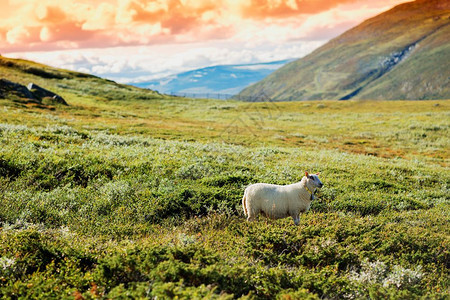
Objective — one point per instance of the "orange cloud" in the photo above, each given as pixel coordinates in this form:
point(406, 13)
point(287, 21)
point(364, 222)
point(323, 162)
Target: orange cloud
point(50, 14)
point(260, 9)
point(57, 24)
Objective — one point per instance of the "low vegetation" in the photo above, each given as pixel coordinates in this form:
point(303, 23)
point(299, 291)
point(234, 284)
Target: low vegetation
point(130, 198)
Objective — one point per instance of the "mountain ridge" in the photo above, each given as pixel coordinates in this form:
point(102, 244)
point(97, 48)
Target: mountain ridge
point(224, 79)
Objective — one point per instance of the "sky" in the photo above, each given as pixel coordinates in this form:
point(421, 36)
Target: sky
point(139, 40)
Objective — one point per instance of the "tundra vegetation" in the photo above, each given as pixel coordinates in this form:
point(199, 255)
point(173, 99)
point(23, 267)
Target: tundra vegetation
point(125, 193)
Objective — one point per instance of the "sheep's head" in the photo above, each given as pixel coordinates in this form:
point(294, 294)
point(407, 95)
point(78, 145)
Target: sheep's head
point(313, 181)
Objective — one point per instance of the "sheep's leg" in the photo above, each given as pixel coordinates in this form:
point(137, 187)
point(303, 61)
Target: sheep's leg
point(252, 214)
point(244, 204)
point(295, 214)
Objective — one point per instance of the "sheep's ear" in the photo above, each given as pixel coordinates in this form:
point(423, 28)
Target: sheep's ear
point(306, 174)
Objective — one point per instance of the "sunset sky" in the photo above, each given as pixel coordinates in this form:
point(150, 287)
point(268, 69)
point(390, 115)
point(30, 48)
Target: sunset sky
point(136, 40)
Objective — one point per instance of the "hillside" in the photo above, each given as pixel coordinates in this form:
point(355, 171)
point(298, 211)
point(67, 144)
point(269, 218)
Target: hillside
point(223, 79)
point(403, 53)
point(70, 85)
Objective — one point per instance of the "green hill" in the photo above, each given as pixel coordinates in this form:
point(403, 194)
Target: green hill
point(70, 85)
point(403, 53)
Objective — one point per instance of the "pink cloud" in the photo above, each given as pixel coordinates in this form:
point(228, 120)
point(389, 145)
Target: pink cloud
point(59, 24)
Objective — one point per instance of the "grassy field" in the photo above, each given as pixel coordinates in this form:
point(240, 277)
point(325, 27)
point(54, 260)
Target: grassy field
point(131, 194)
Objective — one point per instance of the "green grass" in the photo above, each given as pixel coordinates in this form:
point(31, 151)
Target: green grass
point(115, 196)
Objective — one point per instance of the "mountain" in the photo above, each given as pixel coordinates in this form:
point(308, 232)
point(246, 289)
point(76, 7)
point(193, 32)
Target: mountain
point(403, 53)
point(222, 79)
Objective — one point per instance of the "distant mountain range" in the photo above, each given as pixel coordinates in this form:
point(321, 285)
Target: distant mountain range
point(221, 79)
point(403, 53)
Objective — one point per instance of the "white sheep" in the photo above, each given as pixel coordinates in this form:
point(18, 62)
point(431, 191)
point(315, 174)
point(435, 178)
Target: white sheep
point(280, 201)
